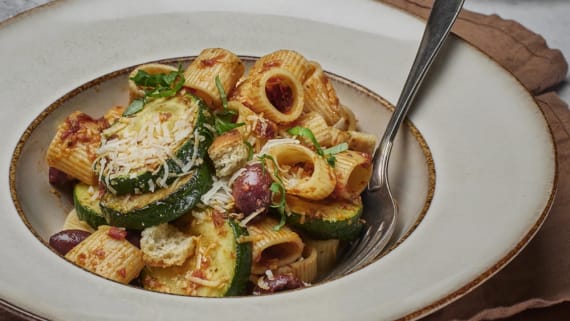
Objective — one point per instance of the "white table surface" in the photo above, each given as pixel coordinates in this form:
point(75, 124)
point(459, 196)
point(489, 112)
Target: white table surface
point(549, 18)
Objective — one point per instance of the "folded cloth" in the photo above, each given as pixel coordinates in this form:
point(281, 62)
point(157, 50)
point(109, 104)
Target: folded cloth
point(538, 277)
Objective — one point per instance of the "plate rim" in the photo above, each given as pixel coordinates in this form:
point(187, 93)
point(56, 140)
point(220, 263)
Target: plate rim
point(526, 238)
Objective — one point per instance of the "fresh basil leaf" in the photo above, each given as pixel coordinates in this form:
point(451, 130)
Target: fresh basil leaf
point(141, 78)
point(134, 107)
point(156, 86)
point(223, 126)
point(331, 160)
point(249, 150)
point(170, 77)
point(223, 96)
point(336, 149)
point(264, 157)
point(282, 221)
point(277, 188)
point(307, 133)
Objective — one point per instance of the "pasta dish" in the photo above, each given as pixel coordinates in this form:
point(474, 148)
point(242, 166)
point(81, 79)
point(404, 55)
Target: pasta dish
point(213, 181)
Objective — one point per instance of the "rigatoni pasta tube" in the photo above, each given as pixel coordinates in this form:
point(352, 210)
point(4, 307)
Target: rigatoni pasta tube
point(245, 116)
point(254, 124)
point(305, 268)
point(353, 171)
point(152, 69)
point(73, 149)
point(357, 141)
point(362, 142)
point(318, 126)
point(211, 63)
point(275, 93)
point(320, 96)
point(303, 172)
point(347, 120)
point(113, 114)
point(272, 249)
point(72, 222)
point(290, 60)
point(106, 254)
point(326, 254)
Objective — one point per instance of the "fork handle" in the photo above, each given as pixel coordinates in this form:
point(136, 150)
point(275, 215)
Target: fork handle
point(441, 18)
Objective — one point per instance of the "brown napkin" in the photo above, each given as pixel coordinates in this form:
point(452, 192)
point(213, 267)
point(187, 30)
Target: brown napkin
point(539, 276)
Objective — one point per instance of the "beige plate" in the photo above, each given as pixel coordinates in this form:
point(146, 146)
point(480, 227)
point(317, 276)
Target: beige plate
point(489, 147)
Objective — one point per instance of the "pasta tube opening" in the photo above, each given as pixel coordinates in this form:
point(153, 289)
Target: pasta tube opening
point(305, 268)
point(273, 249)
point(353, 171)
point(303, 172)
point(211, 63)
point(275, 93)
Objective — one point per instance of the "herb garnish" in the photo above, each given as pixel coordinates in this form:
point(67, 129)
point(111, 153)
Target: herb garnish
point(277, 189)
point(155, 86)
point(249, 150)
point(224, 119)
point(336, 149)
point(328, 153)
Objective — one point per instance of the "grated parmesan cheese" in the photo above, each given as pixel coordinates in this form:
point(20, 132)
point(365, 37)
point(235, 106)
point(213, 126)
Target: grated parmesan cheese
point(251, 216)
point(219, 196)
point(148, 145)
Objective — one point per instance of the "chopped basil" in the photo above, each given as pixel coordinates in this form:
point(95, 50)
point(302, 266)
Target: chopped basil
point(249, 150)
point(134, 107)
point(307, 133)
point(155, 86)
point(277, 189)
point(223, 125)
point(336, 149)
point(224, 119)
point(330, 152)
point(223, 96)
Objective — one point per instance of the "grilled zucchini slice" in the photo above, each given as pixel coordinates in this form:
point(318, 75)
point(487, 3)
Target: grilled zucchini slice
point(220, 266)
point(164, 205)
point(86, 201)
point(177, 124)
point(327, 219)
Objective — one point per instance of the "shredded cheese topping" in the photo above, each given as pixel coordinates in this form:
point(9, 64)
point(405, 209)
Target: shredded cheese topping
point(127, 151)
point(219, 196)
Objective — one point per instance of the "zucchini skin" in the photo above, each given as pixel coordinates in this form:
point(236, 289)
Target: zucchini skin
point(86, 212)
point(128, 185)
point(243, 261)
point(172, 279)
point(346, 228)
point(167, 209)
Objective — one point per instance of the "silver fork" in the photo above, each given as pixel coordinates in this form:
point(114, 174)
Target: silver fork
point(380, 207)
